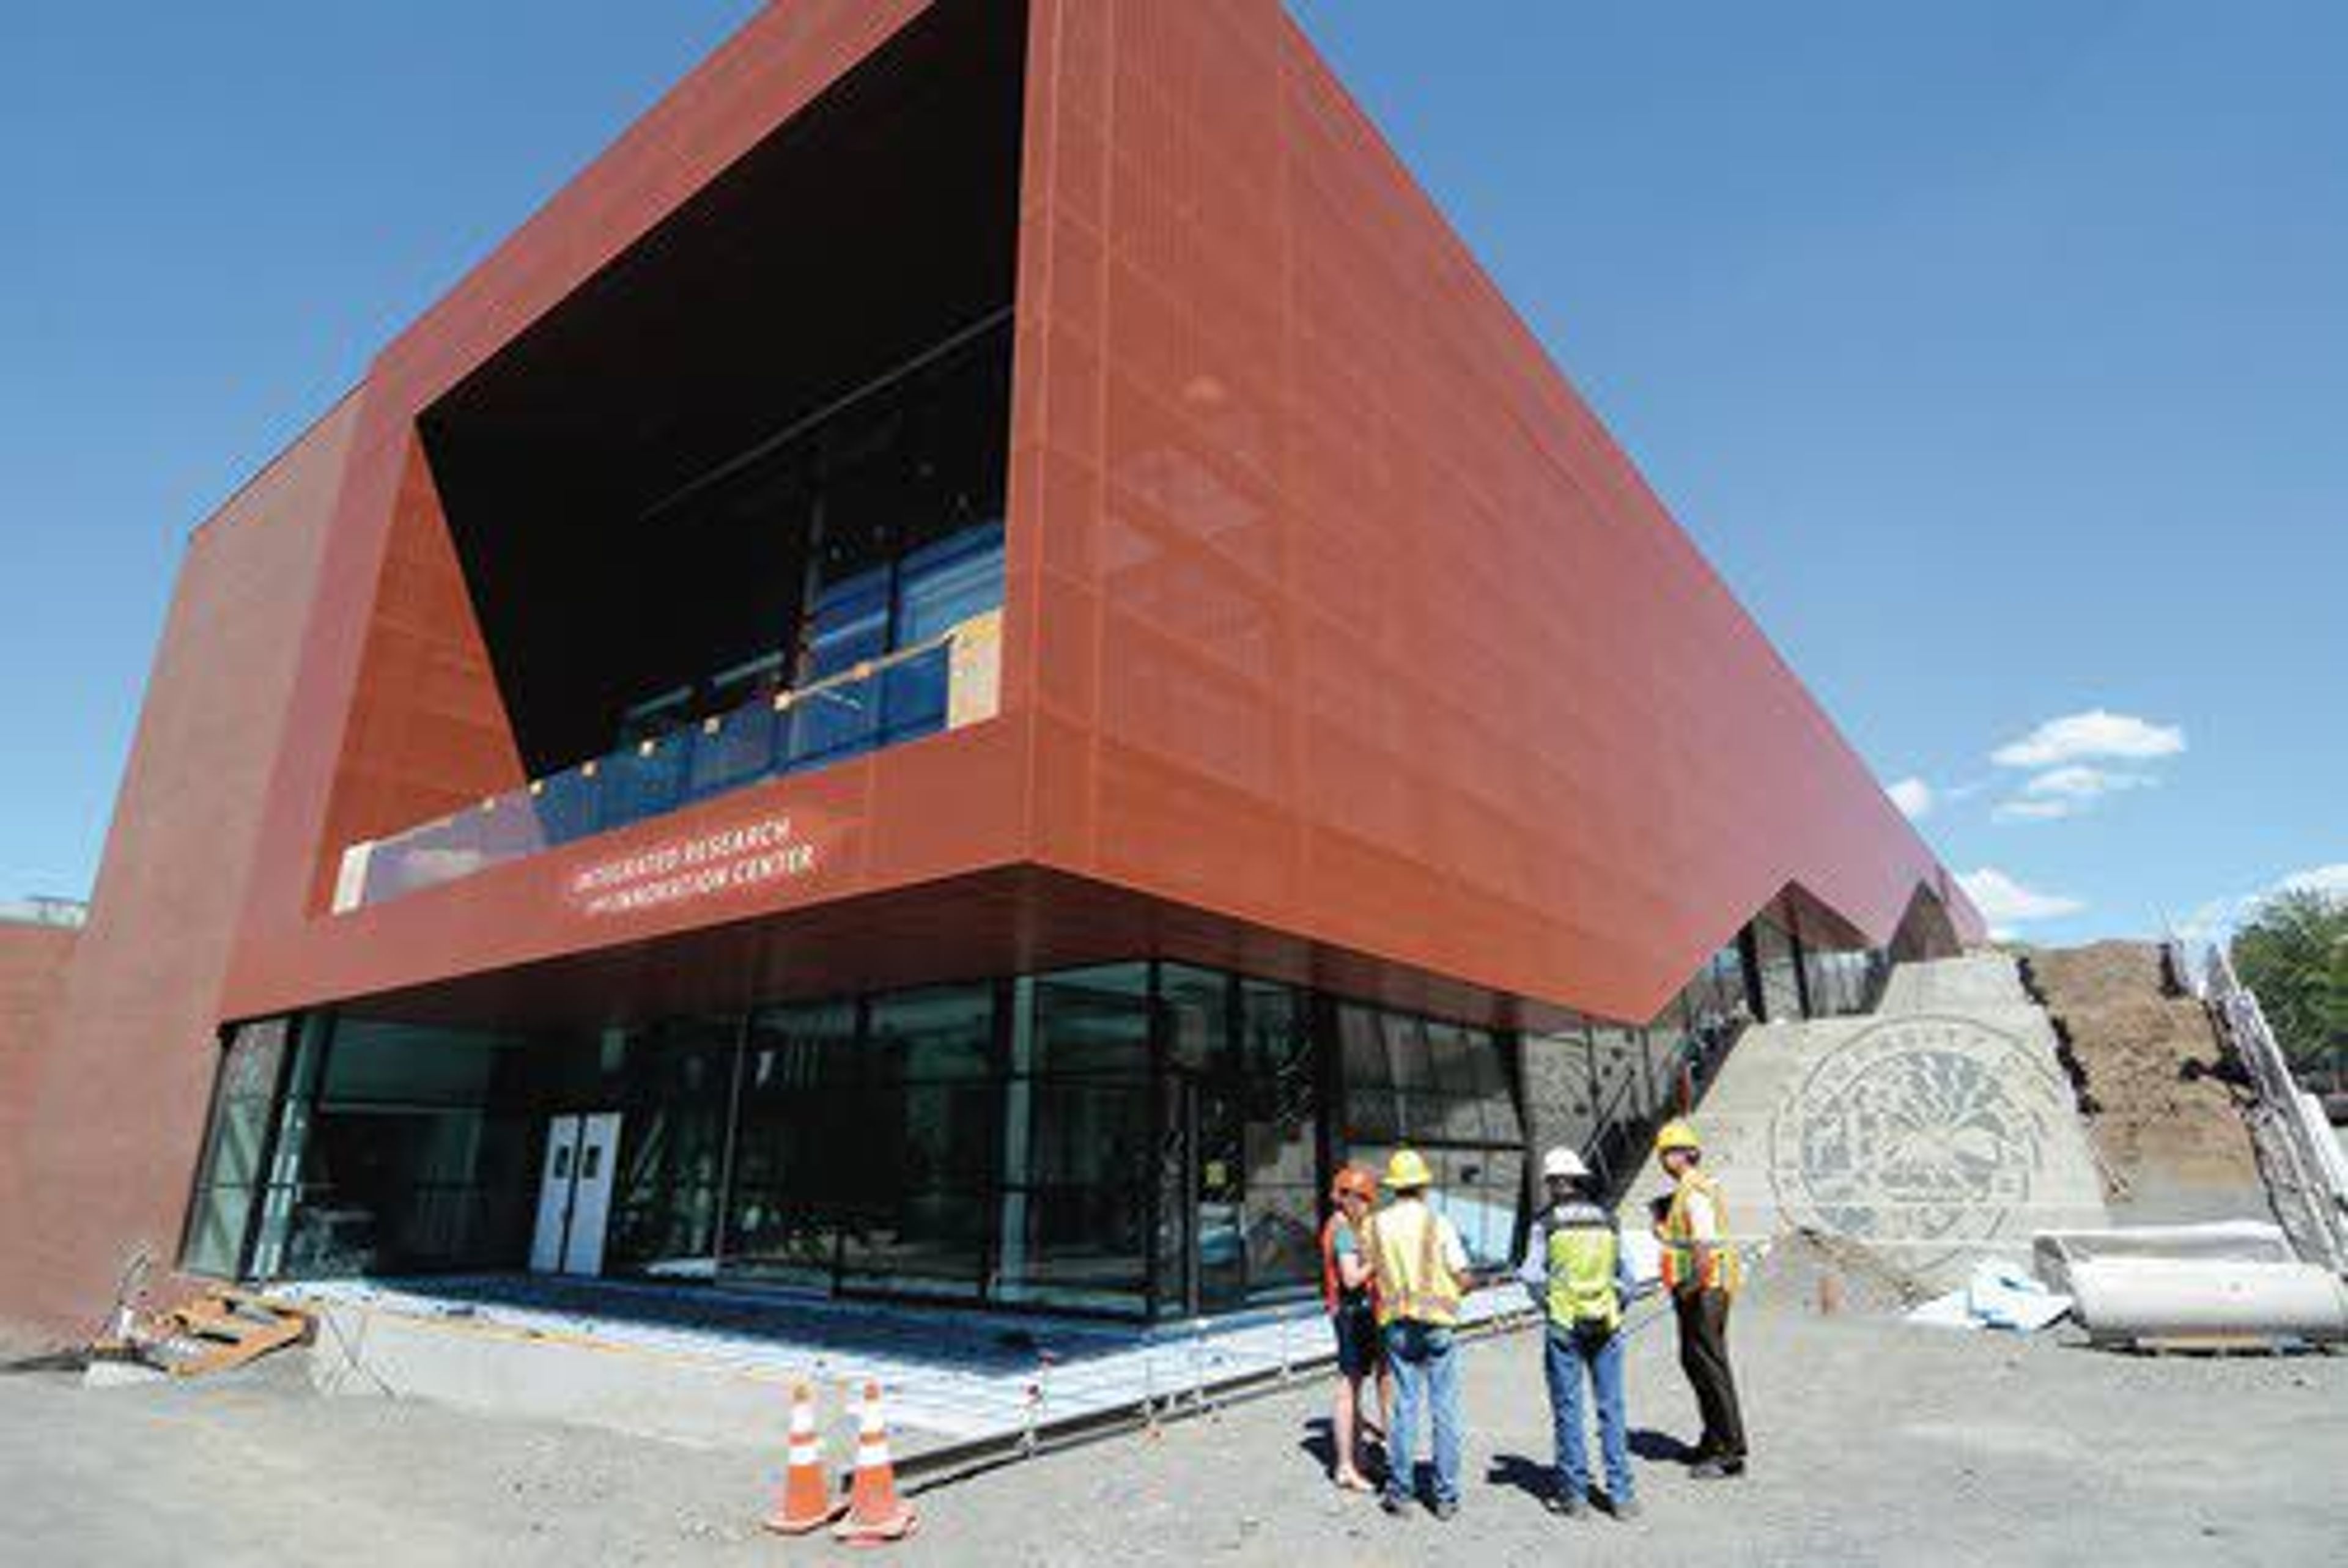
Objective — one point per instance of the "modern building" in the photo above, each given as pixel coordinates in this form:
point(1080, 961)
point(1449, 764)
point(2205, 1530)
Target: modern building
point(978, 654)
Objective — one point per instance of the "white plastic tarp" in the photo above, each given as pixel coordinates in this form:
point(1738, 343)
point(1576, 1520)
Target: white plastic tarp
point(1999, 1296)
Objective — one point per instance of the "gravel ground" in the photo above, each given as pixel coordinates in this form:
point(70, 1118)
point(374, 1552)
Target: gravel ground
point(1874, 1442)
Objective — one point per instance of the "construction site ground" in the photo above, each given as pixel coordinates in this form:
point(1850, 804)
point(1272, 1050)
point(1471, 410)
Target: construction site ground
point(1875, 1441)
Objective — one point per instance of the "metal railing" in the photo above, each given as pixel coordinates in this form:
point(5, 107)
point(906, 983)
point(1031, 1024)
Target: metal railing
point(2297, 1153)
point(66, 914)
point(946, 682)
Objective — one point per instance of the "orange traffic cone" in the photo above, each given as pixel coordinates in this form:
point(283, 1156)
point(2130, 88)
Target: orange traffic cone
point(806, 1504)
point(876, 1514)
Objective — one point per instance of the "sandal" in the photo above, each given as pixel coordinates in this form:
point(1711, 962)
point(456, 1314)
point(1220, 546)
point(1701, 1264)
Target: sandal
point(1354, 1481)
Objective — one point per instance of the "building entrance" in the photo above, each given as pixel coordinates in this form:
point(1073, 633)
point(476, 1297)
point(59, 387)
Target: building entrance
point(574, 1193)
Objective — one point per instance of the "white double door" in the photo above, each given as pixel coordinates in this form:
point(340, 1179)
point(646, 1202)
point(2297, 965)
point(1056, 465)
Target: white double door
point(574, 1193)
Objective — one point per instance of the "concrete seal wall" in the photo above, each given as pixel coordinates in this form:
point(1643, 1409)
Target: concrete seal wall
point(1935, 1131)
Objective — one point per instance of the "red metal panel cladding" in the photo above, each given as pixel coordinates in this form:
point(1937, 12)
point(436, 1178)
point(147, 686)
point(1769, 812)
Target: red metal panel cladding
point(1347, 616)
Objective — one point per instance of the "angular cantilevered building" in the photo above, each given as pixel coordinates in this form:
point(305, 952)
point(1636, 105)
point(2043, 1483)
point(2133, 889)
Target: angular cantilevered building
point(979, 654)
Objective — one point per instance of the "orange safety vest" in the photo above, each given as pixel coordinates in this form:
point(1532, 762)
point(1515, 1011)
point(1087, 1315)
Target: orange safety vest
point(1722, 1270)
point(1413, 1281)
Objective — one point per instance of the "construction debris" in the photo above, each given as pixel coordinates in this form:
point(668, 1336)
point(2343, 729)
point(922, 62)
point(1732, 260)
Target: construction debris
point(1999, 1296)
point(214, 1333)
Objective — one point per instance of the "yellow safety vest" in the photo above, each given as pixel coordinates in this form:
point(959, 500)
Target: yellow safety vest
point(1722, 1270)
point(1415, 1282)
point(1582, 1290)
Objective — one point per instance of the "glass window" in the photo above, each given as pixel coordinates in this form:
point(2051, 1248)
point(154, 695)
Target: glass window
point(919, 1163)
point(1456, 1104)
point(1076, 1162)
point(1089, 1022)
point(1781, 997)
point(418, 1154)
point(1279, 1144)
point(243, 1096)
point(1198, 1004)
point(791, 1151)
point(943, 584)
point(672, 1132)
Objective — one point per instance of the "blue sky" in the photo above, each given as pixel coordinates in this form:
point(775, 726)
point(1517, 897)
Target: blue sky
point(1997, 353)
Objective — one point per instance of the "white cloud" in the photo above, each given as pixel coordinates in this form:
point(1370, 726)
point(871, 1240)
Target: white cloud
point(2006, 903)
point(1913, 796)
point(2070, 789)
point(2077, 781)
point(2075, 737)
point(2036, 810)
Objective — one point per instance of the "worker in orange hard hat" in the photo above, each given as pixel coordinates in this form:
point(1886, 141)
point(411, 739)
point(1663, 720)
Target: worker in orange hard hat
point(1349, 1292)
point(1702, 1273)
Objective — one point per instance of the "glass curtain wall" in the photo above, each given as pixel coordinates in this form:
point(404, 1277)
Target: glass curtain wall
point(1137, 1139)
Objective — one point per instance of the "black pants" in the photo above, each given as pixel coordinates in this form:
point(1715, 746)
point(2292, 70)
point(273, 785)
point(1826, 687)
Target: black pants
point(1704, 1357)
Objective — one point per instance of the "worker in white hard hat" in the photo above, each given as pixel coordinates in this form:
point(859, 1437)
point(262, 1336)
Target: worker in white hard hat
point(1578, 1275)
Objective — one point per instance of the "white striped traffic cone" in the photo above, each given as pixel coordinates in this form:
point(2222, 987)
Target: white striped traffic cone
point(805, 1503)
point(876, 1514)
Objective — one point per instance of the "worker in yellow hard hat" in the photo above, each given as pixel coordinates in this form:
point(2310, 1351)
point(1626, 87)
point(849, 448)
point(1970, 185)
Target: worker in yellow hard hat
point(1702, 1272)
point(1421, 1272)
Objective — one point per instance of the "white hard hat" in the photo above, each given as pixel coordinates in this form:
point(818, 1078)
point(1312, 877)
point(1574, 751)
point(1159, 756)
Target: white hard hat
point(1563, 1163)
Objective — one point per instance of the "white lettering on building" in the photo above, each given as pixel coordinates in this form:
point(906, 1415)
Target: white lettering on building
point(684, 870)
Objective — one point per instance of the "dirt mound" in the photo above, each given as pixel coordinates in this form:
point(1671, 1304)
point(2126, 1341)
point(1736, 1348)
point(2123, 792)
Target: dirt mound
point(2164, 1106)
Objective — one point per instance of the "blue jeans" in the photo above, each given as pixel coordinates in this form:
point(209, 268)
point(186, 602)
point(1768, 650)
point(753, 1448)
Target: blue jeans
point(1425, 1373)
point(1565, 1357)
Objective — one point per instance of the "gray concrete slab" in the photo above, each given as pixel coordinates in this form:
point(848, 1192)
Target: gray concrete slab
point(697, 1365)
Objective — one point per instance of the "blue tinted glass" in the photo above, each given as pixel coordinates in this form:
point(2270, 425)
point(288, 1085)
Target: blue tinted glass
point(833, 722)
point(943, 584)
point(732, 750)
point(913, 694)
point(850, 623)
point(644, 782)
point(567, 806)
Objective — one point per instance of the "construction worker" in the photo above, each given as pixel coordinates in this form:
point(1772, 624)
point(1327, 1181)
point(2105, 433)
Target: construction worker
point(1421, 1273)
point(1575, 1268)
point(1346, 1287)
point(1701, 1271)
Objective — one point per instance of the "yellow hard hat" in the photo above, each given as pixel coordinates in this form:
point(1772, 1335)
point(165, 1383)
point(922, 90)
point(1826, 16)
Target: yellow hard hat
point(1677, 1134)
point(1406, 1171)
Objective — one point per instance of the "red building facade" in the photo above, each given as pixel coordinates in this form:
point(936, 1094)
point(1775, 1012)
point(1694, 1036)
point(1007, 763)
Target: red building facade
point(1025, 498)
